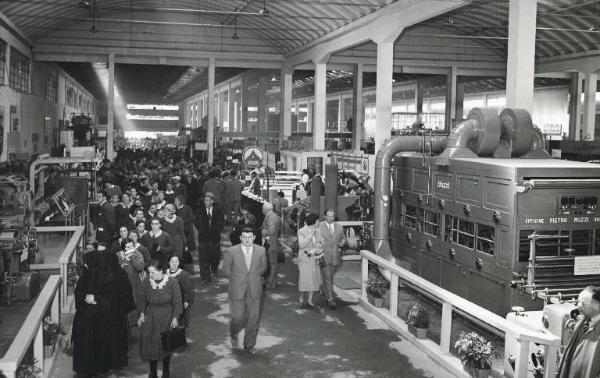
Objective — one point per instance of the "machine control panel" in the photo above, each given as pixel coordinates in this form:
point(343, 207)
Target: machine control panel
point(578, 205)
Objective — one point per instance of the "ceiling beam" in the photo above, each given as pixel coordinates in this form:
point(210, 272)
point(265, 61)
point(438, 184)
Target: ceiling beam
point(588, 61)
point(14, 30)
point(402, 13)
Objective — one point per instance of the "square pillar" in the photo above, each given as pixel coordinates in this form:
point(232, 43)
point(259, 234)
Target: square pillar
point(383, 97)
point(460, 100)
point(110, 127)
point(285, 120)
point(520, 65)
point(419, 99)
point(451, 89)
point(575, 91)
point(358, 112)
point(210, 131)
point(320, 115)
point(589, 106)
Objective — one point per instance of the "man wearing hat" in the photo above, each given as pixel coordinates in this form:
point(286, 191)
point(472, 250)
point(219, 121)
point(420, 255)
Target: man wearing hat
point(245, 264)
point(209, 223)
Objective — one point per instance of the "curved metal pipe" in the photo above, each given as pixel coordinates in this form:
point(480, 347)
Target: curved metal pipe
point(383, 162)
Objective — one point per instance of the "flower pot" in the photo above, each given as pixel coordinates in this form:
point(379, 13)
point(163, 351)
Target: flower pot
point(481, 373)
point(378, 302)
point(48, 351)
point(421, 333)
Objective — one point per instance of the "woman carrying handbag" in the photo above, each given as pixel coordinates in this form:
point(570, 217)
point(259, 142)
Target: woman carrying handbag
point(160, 305)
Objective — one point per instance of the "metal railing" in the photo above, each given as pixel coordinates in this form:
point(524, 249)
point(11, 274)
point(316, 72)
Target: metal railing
point(68, 255)
point(32, 330)
point(451, 302)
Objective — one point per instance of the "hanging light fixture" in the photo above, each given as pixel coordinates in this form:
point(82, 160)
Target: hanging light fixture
point(264, 11)
point(235, 36)
point(93, 28)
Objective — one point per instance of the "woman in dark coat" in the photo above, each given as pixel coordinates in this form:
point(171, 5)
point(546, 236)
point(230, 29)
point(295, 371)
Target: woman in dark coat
point(160, 305)
point(120, 302)
point(122, 212)
point(185, 284)
point(90, 344)
point(132, 261)
point(173, 225)
point(161, 246)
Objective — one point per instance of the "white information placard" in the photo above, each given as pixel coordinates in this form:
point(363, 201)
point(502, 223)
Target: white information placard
point(587, 265)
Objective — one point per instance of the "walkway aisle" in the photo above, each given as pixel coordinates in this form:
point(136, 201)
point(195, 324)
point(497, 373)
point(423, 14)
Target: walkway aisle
point(347, 342)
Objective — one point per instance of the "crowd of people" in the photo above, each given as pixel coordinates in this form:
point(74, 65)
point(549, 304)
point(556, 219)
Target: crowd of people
point(156, 211)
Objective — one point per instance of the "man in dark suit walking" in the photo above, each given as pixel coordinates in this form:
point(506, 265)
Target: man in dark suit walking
point(333, 241)
point(209, 223)
point(270, 233)
point(105, 220)
point(245, 264)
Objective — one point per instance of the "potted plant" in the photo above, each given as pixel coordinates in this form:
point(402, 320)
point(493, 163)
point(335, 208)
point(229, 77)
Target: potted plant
point(28, 369)
point(418, 317)
point(475, 352)
point(51, 332)
point(376, 288)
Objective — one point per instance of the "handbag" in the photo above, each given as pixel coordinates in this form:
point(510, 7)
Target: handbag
point(322, 263)
point(173, 339)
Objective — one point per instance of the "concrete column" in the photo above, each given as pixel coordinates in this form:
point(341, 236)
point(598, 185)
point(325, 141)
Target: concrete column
point(383, 97)
point(358, 112)
point(419, 97)
point(460, 99)
point(210, 133)
point(575, 105)
point(589, 106)
point(110, 128)
point(341, 111)
point(320, 106)
point(285, 119)
point(520, 65)
point(451, 89)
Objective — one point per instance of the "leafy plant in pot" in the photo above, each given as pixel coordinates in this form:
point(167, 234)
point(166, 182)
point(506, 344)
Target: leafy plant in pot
point(475, 352)
point(418, 317)
point(51, 333)
point(28, 369)
point(376, 288)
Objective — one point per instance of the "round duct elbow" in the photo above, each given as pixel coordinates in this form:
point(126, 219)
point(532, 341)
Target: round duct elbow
point(479, 135)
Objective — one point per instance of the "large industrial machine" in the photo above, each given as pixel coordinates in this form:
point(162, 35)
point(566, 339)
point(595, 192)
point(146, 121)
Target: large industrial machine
point(487, 214)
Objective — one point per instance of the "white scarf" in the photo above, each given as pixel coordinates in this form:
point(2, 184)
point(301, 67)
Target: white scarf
point(174, 274)
point(156, 234)
point(161, 284)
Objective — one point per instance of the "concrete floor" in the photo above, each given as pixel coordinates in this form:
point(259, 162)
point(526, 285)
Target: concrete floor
point(347, 342)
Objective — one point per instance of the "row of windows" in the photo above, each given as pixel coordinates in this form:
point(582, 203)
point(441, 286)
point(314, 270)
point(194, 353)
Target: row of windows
point(477, 236)
point(52, 86)
point(77, 99)
point(2, 61)
point(19, 71)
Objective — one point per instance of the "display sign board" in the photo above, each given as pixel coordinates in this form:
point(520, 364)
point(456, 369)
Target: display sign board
point(253, 157)
point(587, 265)
point(201, 146)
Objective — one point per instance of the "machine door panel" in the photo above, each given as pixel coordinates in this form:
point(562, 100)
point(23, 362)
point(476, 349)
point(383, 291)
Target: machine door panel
point(454, 278)
point(430, 267)
point(488, 291)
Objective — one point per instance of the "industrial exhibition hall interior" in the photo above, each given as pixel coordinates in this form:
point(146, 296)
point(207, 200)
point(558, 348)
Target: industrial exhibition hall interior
point(299, 188)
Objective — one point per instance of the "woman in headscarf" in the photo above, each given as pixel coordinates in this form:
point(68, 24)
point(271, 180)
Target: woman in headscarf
point(90, 344)
point(185, 284)
point(134, 236)
point(161, 245)
point(173, 225)
point(117, 302)
point(132, 261)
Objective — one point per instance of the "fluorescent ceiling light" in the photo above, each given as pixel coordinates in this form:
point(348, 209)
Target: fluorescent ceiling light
point(152, 107)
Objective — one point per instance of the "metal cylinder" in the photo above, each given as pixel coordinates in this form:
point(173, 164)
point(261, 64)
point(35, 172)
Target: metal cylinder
point(383, 163)
point(315, 195)
point(331, 186)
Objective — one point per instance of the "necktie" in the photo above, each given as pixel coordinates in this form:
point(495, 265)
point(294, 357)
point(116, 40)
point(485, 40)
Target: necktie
point(209, 218)
point(331, 227)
